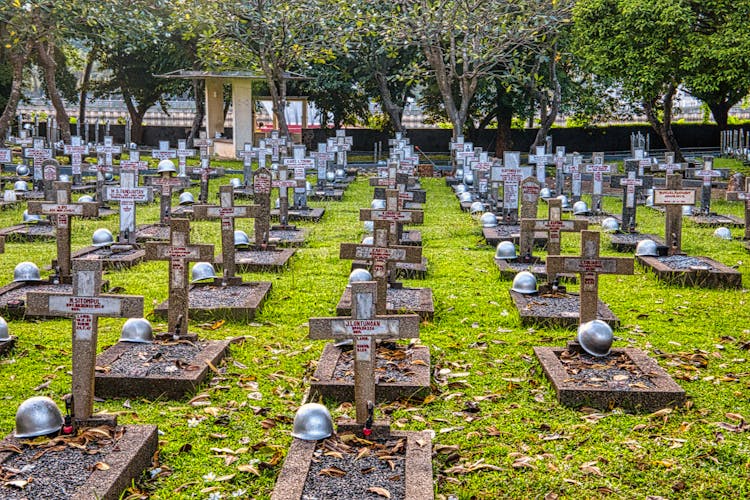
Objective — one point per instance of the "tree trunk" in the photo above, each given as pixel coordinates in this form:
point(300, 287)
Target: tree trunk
point(46, 52)
point(504, 141)
point(199, 91)
point(549, 115)
point(391, 108)
point(85, 81)
point(136, 118)
point(18, 62)
point(664, 127)
point(434, 56)
point(720, 112)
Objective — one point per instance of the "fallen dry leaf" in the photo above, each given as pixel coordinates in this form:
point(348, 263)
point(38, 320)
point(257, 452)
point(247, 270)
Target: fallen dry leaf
point(248, 468)
point(18, 483)
point(332, 472)
point(379, 491)
point(101, 466)
point(590, 468)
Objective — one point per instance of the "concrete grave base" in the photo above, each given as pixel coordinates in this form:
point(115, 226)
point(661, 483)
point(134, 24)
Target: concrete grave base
point(403, 270)
point(169, 386)
point(311, 214)
point(411, 237)
point(626, 242)
point(243, 193)
point(7, 345)
point(574, 393)
point(511, 232)
point(691, 271)
point(340, 390)
point(111, 260)
point(13, 295)
point(29, 232)
point(236, 301)
point(127, 460)
point(597, 219)
point(184, 212)
point(152, 232)
point(288, 237)
point(398, 301)
point(276, 260)
point(558, 310)
point(418, 476)
point(537, 267)
point(715, 220)
point(326, 195)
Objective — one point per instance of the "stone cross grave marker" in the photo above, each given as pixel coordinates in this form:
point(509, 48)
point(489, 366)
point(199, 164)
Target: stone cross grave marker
point(163, 153)
point(382, 257)
point(669, 166)
point(344, 143)
point(183, 153)
point(745, 196)
point(227, 212)
point(76, 150)
point(511, 177)
point(108, 150)
point(540, 159)
point(179, 252)
point(394, 216)
point(389, 177)
point(50, 168)
point(37, 153)
point(262, 198)
point(322, 157)
point(559, 169)
point(134, 164)
point(62, 210)
point(205, 173)
point(364, 327)
point(629, 183)
point(105, 156)
point(277, 143)
point(203, 144)
point(6, 154)
point(554, 225)
point(247, 154)
point(299, 165)
point(707, 173)
point(589, 265)
point(530, 189)
point(576, 176)
point(166, 183)
point(673, 198)
point(86, 306)
point(127, 194)
point(597, 168)
point(284, 183)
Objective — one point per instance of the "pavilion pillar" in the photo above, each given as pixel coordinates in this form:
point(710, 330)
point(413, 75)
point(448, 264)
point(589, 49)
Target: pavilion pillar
point(214, 107)
point(242, 106)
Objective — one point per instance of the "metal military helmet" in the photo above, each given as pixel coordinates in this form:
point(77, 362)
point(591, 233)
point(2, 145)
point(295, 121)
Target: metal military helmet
point(476, 209)
point(506, 250)
point(137, 330)
point(64, 178)
point(22, 170)
point(377, 204)
point(646, 248)
point(4, 330)
point(166, 167)
point(687, 210)
point(108, 176)
point(369, 226)
point(488, 219)
point(26, 271)
point(650, 200)
point(564, 201)
point(312, 422)
point(202, 271)
point(459, 188)
point(368, 240)
point(469, 178)
point(595, 337)
point(86, 199)
point(610, 225)
point(241, 239)
point(330, 176)
point(102, 237)
point(465, 197)
point(38, 416)
point(459, 173)
point(580, 208)
point(723, 233)
point(28, 218)
point(235, 182)
point(187, 198)
point(524, 282)
point(20, 186)
point(340, 172)
point(545, 193)
point(360, 275)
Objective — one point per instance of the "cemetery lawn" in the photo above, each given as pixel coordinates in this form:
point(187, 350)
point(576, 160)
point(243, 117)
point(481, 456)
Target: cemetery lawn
point(499, 432)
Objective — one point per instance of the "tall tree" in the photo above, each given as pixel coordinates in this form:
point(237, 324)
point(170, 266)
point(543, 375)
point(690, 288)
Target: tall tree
point(16, 45)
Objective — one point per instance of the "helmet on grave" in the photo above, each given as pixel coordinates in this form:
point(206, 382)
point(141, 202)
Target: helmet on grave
point(646, 248)
point(524, 282)
point(469, 178)
point(166, 167)
point(108, 176)
point(368, 240)
point(459, 173)
point(580, 208)
point(28, 218)
point(610, 225)
point(22, 170)
point(187, 198)
point(312, 422)
point(241, 239)
point(723, 233)
point(330, 176)
point(64, 178)
point(235, 182)
point(545, 193)
point(377, 204)
point(37, 416)
point(4, 331)
point(102, 237)
point(202, 271)
point(369, 226)
point(360, 275)
point(459, 188)
point(488, 219)
point(650, 200)
point(26, 271)
point(506, 250)
point(340, 172)
point(465, 197)
point(595, 337)
point(687, 210)
point(137, 330)
point(564, 201)
point(86, 199)
point(476, 209)
point(20, 186)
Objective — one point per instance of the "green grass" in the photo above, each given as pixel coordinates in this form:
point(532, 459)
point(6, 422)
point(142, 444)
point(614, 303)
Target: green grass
point(476, 330)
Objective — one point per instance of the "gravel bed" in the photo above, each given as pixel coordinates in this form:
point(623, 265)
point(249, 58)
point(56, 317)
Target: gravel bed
point(506, 230)
point(629, 238)
point(103, 253)
point(684, 262)
point(392, 364)
point(285, 234)
point(158, 358)
point(333, 478)
point(209, 296)
point(258, 257)
point(20, 292)
point(409, 299)
point(559, 303)
point(614, 372)
point(153, 232)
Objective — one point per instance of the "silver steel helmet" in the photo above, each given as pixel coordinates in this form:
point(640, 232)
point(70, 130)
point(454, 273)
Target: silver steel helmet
point(360, 275)
point(108, 176)
point(187, 198)
point(22, 170)
point(524, 282)
point(564, 201)
point(459, 188)
point(506, 250)
point(488, 219)
point(4, 330)
point(241, 239)
point(102, 237)
point(545, 193)
point(610, 225)
point(20, 186)
point(166, 167)
point(580, 208)
point(64, 178)
point(687, 210)
point(86, 199)
point(650, 200)
point(646, 248)
point(476, 209)
point(37, 416)
point(368, 240)
point(469, 178)
point(28, 218)
point(340, 172)
point(369, 226)
point(459, 173)
point(275, 167)
point(330, 176)
point(137, 330)
point(465, 197)
point(26, 271)
point(595, 337)
point(377, 204)
point(235, 182)
point(202, 271)
point(312, 422)
point(723, 233)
